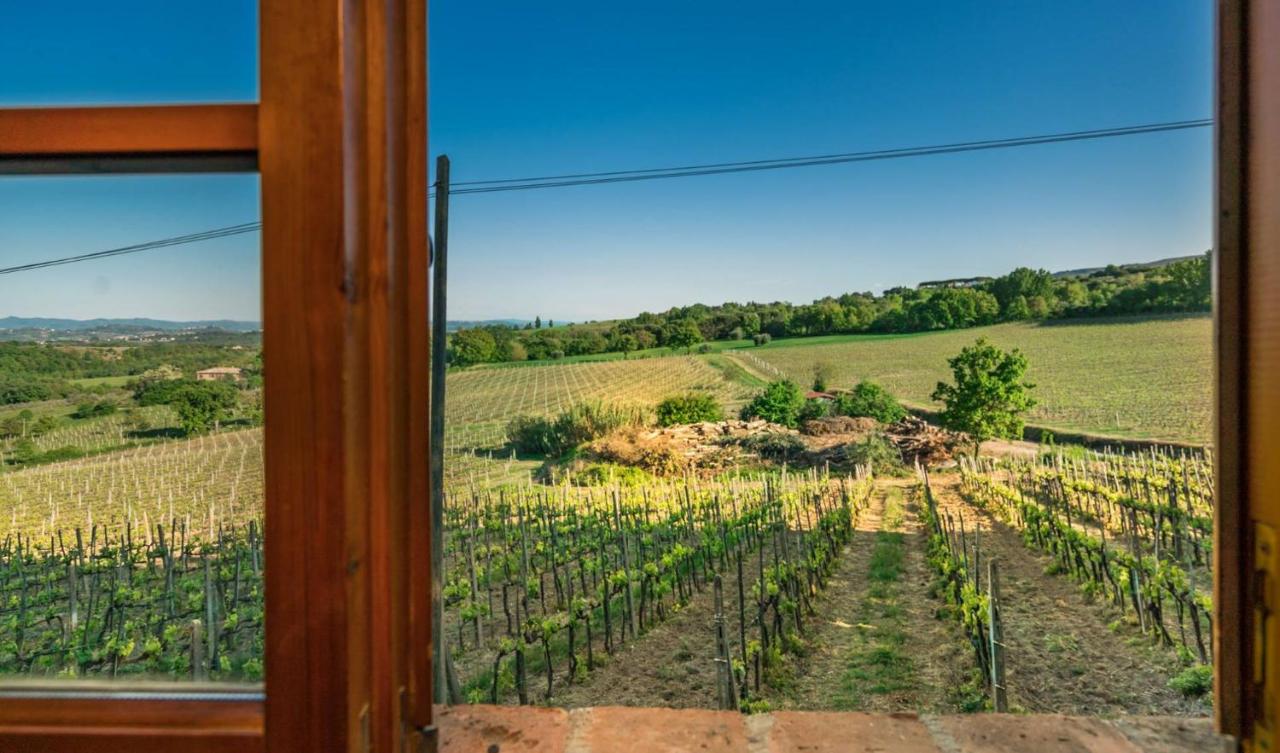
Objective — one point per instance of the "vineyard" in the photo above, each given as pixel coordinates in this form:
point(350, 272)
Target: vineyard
point(482, 401)
point(545, 584)
point(152, 602)
point(1073, 582)
point(1147, 379)
point(1137, 530)
point(204, 483)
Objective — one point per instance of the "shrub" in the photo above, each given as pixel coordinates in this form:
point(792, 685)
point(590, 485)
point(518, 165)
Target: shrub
point(814, 408)
point(689, 408)
point(762, 338)
point(158, 391)
point(581, 423)
point(202, 406)
point(877, 453)
point(822, 376)
point(1193, 681)
point(780, 403)
point(774, 445)
point(870, 400)
point(532, 435)
point(598, 474)
point(587, 421)
point(92, 410)
point(16, 390)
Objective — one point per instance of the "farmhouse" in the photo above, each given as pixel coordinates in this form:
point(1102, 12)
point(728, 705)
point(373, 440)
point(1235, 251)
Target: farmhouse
point(224, 373)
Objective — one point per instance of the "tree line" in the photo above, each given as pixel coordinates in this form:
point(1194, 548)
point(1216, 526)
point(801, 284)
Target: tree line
point(31, 372)
point(1021, 295)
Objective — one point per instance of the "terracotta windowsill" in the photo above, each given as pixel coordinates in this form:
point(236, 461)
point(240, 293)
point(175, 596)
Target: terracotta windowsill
point(613, 729)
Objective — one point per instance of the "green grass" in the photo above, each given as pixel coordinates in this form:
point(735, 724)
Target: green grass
point(878, 663)
point(107, 381)
point(1139, 377)
point(734, 371)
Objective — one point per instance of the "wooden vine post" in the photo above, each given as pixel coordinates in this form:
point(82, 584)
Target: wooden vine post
point(998, 696)
point(724, 667)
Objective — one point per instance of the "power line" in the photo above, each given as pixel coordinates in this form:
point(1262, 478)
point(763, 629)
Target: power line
point(625, 176)
point(660, 173)
point(179, 240)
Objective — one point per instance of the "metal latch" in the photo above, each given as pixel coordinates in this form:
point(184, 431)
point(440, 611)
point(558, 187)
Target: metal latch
point(1266, 637)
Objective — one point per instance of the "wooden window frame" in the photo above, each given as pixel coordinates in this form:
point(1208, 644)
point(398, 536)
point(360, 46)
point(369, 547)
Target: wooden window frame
point(339, 139)
point(1247, 326)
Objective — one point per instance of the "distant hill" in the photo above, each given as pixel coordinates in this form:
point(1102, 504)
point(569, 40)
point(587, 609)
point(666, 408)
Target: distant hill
point(25, 324)
point(1136, 267)
point(132, 325)
point(453, 325)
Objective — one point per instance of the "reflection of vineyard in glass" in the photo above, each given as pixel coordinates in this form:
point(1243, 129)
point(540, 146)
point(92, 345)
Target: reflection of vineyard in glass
point(144, 562)
point(200, 484)
point(151, 603)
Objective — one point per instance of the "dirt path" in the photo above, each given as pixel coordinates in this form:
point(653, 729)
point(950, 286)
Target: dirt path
point(879, 645)
point(1066, 653)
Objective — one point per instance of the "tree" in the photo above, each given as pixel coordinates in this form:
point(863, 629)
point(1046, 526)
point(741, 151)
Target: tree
point(472, 346)
point(989, 395)
point(684, 335)
point(622, 342)
point(202, 406)
point(781, 403)
point(1190, 284)
point(813, 408)
point(24, 452)
point(516, 351)
point(1023, 282)
point(537, 322)
point(870, 400)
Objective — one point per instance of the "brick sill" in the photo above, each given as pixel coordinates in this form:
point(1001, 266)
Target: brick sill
point(615, 729)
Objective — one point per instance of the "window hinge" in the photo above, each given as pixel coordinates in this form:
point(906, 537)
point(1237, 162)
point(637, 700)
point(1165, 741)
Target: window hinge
point(1266, 638)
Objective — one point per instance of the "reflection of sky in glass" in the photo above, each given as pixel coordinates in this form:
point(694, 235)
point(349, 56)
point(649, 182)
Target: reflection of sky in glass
point(53, 217)
point(128, 52)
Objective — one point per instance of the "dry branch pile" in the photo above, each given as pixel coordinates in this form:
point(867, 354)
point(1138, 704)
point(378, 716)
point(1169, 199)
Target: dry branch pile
point(920, 441)
point(674, 449)
point(819, 427)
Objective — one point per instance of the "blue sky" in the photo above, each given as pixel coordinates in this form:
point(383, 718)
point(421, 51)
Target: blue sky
point(541, 88)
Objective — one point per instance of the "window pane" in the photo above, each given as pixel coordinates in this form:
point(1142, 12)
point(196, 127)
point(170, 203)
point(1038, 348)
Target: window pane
point(674, 370)
point(130, 429)
point(137, 51)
